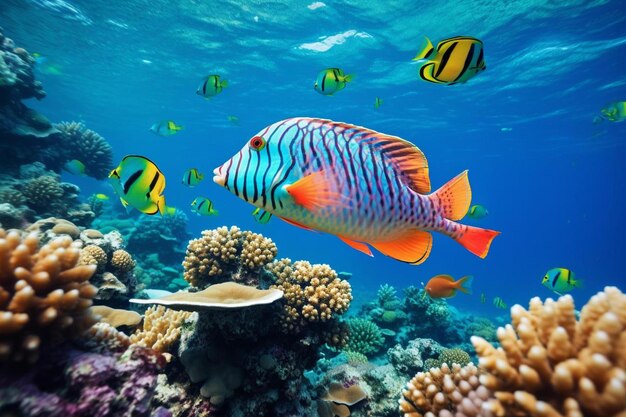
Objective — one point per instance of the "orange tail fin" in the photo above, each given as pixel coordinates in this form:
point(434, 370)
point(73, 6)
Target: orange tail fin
point(454, 197)
point(477, 240)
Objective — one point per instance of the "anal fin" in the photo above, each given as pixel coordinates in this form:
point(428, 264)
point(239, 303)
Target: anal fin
point(413, 248)
point(291, 222)
point(361, 247)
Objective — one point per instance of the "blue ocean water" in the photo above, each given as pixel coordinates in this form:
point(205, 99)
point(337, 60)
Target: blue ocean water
point(553, 182)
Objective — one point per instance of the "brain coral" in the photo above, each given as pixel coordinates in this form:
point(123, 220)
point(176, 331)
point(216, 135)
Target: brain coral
point(312, 292)
point(122, 261)
point(88, 147)
point(43, 293)
point(93, 255)
point(226, 254)
point(549, 364)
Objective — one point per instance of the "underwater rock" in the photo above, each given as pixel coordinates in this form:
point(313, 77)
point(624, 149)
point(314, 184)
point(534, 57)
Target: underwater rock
point(12, 217)
point(407, 361)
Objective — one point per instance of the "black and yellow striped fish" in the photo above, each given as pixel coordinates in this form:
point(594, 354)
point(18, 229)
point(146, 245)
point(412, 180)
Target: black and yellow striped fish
point(202, 206)
point(331, 80)
point(454, 61)
point(192, 177)
point(499, 303)
point(139, 183)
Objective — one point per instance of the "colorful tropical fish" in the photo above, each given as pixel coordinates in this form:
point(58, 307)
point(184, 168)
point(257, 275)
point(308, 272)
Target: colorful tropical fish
point(614, 112)
point(165, 128)
point(477, 212)
point(378, 102)
point(261, 216)
point(101, 197)
point(202, 206)
point(192, 177)
point(499, 303)
point(211, 86)
point(561, 280)
point(331, 80)
point(455, 60)
point(139, 183)
point(75, 167)
point(444, 286)
point(363, 186)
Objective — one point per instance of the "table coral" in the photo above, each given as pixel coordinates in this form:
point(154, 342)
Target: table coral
point(43, 292)
point(226, 254)
point(161, 328)
point(312, 292)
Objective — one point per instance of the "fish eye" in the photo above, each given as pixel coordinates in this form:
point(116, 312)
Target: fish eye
point(545, 278)
point(257, 143)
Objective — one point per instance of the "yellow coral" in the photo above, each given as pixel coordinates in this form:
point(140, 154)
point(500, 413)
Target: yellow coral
point(122, 261)
point(226, 254)
point(312, 292)
point(43, 294)
point(93, 255)
point(161, 328)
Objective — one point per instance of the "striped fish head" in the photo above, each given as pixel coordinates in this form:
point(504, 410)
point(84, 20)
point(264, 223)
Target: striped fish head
point(264, 165)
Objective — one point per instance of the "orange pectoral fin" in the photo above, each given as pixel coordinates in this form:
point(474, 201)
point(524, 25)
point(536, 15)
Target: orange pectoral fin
point(361, 247)
point(413, 248)
point(314, 191)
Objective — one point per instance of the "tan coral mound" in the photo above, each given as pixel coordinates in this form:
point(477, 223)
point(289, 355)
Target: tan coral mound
point(313, 292)
point(224, 254)
point(549, 364)
point(161, 328)
point(44, 295)
point(93, 255)
point(122, 261)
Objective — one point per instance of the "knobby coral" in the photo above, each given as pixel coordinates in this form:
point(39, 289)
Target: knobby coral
point(226, 254)
point(365, 337)
point(161, 328)
point(44, 294)
point(313, 292)
point(88, 147)
point(549, 364)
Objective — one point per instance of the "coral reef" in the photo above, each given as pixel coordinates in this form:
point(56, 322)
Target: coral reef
point(161, 328)
point(44, 294)
point(87, 146)
point(226, 254)
point(365, 337)
point(549, 364)
point(407, 361)
point(312, 293)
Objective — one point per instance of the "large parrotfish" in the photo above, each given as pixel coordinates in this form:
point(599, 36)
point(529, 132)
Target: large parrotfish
point(363, 186)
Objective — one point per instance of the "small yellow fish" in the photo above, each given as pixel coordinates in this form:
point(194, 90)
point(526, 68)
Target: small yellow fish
point(378, 102)
point(560, 280)
point(477, 212)
point(202, 206)
point(166, 128)
point(455, 60)
point(234, 120)
point(499, 303)
point(192, 177)
point(331, 80)
point(614, 112)
point(75, 167)
point(211, 86)
point(101, 197)
point(139, 183)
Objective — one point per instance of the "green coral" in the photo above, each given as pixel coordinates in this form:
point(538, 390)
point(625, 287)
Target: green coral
point(389, 316)
point(387, 295)
point(365, 337)
point(355, 358)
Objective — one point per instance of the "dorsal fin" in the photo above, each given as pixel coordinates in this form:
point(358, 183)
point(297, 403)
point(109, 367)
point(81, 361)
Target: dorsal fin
point(408, 159)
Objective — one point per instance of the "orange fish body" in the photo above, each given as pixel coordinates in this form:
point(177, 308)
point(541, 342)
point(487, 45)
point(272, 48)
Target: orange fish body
point(444, 286)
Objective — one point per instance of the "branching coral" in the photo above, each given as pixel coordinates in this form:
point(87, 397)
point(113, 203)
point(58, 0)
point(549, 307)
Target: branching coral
point(43, 294)
point(312, 292)
point(161, 328)
point(549, 364)
point(365, 337)
point(42, 192)
point(387, 297)
point(88, 147)
point(227, 254)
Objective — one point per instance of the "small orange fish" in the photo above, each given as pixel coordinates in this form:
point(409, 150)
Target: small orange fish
point(444, 286)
